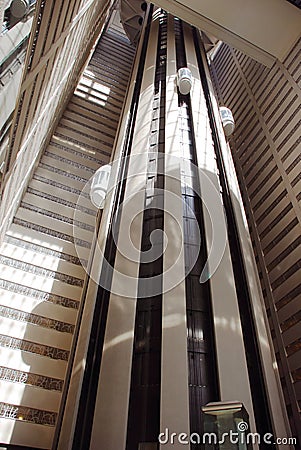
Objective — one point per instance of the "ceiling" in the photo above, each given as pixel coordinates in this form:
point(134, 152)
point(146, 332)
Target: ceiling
point(266, 30)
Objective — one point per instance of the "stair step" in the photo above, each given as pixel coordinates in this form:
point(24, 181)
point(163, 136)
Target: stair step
point(39, 364)
point(59, 192)
point(88, 120)
point(35, 237)
point(53, 226)
point(78, 157)
point(30, 397)
point(49, 206)
point(82, 108)
point(37, 348)
point(38, 294)
point(14, 249)
point(37, 306)
point(83, 140)
point(32, 333)
point(65, 180)
point(54, 271)
point(67, 165)
point(42, 283)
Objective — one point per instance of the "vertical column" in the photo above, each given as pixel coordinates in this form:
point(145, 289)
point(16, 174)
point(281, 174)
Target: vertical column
point(174, 378)
point(231, 360)
point(111, 411)
point(144, 405)
point(73, 401)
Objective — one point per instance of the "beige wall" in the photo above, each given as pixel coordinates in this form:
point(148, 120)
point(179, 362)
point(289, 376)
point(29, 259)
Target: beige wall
point(266, 151)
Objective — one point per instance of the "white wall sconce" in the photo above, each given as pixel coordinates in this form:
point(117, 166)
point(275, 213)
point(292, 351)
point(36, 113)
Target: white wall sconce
point(227, 120)
point(184, 80)
point(99, 186)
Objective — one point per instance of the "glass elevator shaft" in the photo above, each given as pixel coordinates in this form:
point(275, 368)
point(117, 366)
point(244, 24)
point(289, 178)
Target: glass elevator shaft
point(173, 327)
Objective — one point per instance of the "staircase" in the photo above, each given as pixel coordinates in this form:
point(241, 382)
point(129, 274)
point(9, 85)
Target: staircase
point(41, 277)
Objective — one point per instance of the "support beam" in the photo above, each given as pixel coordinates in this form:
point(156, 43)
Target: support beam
point(243, 25)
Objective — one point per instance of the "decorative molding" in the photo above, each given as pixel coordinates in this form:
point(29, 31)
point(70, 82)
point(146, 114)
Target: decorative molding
point(39, 295)
point(37, 416)
point(32, 379)
point(33, 347)
point(35, 319)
